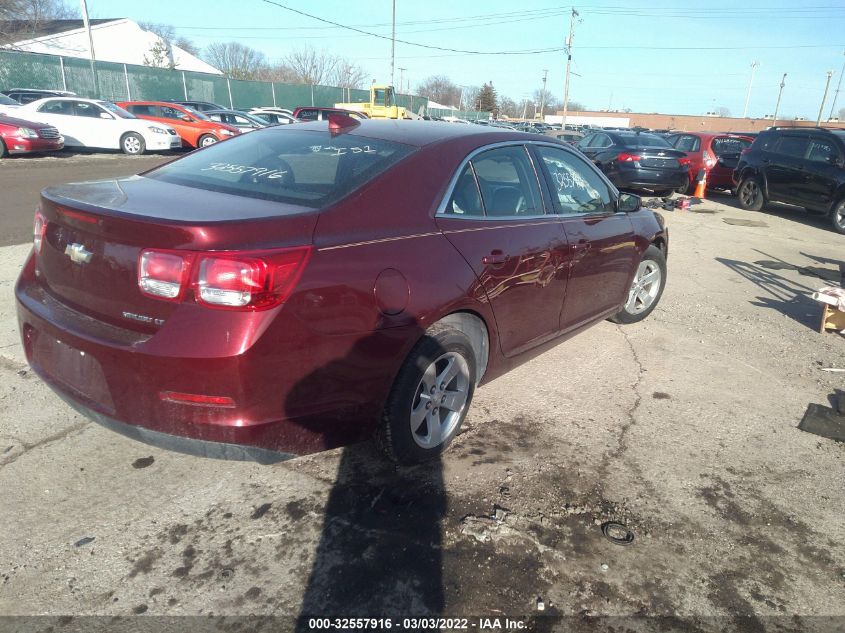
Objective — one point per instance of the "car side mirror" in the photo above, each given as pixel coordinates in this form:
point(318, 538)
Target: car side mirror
point(836, 160)
point(629, 202)
point(106, 115)
point(186, 118)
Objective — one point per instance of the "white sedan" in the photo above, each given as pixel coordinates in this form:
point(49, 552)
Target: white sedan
point(101, 124)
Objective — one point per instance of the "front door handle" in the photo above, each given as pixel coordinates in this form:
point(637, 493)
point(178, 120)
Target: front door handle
point(495, 258)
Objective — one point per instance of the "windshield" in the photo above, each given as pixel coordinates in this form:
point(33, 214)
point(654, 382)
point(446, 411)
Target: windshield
point(644, 140)
point(116, 110)
point(4, 100)
point(310, 168)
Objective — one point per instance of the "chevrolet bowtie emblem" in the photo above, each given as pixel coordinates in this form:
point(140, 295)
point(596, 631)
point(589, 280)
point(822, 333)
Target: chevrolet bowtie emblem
point(78, 254)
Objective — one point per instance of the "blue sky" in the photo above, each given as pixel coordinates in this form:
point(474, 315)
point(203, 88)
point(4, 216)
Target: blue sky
point(658, 56)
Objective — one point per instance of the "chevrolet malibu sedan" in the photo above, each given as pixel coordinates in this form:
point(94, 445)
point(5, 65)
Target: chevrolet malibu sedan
point(303, 287)
point(18, 136)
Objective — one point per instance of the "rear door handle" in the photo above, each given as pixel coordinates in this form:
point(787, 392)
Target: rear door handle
point(495, 258)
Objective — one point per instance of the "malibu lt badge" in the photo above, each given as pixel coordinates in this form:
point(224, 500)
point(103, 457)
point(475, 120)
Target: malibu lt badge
point(78, 254)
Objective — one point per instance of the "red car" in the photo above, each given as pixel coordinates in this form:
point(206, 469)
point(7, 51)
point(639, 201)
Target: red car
point(196, 129)
point(18, 136)
point(717, 154)
point(304, 287)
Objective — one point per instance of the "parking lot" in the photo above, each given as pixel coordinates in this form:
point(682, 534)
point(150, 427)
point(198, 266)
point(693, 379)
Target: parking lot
point(682, 427)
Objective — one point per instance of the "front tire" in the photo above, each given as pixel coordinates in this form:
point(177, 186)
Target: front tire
point(132, 144)
point(837, 217)
point(430, 397)
point(206, 139)
point(646, 289)
point(3, 151)
point(750, 194)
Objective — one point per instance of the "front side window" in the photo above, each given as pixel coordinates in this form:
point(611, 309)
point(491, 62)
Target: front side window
point(302, 167)
point(308, 115)
point(822, 151)
point(85, 109)
point(171, 113)
point(687, 143)
point(507, 182)
point(578, 187)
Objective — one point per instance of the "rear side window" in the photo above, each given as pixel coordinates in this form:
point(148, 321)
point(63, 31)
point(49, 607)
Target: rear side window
point(795, 146)
point(508, 182)
point(465, 200)
point(307, 168)
point(688, 143)
point(308, 115)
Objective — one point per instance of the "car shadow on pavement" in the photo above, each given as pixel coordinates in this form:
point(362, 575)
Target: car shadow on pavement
point(379, 552)
point(785, 296)
point(380, 549)
point(780, 210)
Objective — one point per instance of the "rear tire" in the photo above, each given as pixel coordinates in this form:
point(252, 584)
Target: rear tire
point(430, 397)
point(206, 139)
point(3, 151)
point(837, 217)
point(133, 144)
point(750, 194)
point(646, 289)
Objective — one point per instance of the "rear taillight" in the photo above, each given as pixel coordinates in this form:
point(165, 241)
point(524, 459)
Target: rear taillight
point(247, 281)
point(39, 228)
point(709, 159)
point(628, 158)
point(163, 275)
point(684, 162)
point(254, 282)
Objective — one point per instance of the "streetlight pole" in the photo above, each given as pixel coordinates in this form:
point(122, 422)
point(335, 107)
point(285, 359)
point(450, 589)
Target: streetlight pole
point(824, 97)
point(401, 73)
point(777, 105)
point(87, 24)
point(836, 94)
point(393, 45)
point(568, 64)
point(750, 83)
point(543, 95)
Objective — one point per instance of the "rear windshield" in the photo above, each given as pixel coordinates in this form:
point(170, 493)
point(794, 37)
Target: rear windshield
point(303, 167)
point(727, 145)
point(644, 140)
point(4, 100)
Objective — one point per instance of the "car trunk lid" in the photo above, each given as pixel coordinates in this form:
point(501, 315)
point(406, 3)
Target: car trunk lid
point(95, 233)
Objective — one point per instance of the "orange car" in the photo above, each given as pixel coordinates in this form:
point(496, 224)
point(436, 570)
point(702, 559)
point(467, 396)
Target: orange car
point(196, 129)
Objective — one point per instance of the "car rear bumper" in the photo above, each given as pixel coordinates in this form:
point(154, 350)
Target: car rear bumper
point(164, 142)
point(29, 145)
point(289, 393)
point(633, 177)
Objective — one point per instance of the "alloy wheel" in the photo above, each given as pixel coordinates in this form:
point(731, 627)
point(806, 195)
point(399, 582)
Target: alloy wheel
point(839, 217)
point(208, 140)
point(132, 144)
point(645, 288)
point(439, 401)
point(749, 192)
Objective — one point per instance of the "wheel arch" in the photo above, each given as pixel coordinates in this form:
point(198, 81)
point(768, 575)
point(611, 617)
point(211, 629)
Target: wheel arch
point(474, 327)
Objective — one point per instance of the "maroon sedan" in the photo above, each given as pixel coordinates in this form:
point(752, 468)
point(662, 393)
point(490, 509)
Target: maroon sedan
point(18, 136)
point(304, 287)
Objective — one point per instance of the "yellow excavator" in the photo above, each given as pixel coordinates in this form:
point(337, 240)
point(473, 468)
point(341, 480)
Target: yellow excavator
point(382, 104)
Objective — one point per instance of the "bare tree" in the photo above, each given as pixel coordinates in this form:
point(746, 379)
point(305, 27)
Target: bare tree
point(347, 74)
point(21, 19)
point(509, 108)
point(235, 60)
point(724, 112)
point(440, 89)
point(187, 45)
point(168, 34)
point(277, 72)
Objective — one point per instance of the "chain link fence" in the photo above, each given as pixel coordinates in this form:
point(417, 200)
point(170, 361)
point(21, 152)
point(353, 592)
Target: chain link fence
point(129, 82)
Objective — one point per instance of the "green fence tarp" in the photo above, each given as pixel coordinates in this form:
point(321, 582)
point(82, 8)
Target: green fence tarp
point(129, 82)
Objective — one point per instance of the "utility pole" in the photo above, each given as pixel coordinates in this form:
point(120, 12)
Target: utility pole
point(750, 83)
point(824, 98)
point(393, 45)
point(836, 94)
point(568, 64)
point(87, 23)
point(543, 95)
point(777, 105)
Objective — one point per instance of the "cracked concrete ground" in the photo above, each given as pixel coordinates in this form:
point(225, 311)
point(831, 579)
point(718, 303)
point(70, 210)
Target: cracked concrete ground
point(682, 427)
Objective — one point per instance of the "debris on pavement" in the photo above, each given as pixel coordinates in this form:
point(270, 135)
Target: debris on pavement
point(617, 533)
point(743, 222)
point(84, 541)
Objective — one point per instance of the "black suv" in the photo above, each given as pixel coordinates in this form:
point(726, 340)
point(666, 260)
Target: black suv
point(801, 166)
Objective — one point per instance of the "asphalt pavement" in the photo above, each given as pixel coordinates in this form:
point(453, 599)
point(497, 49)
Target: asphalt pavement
point(23, 177)
point(683, 428)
